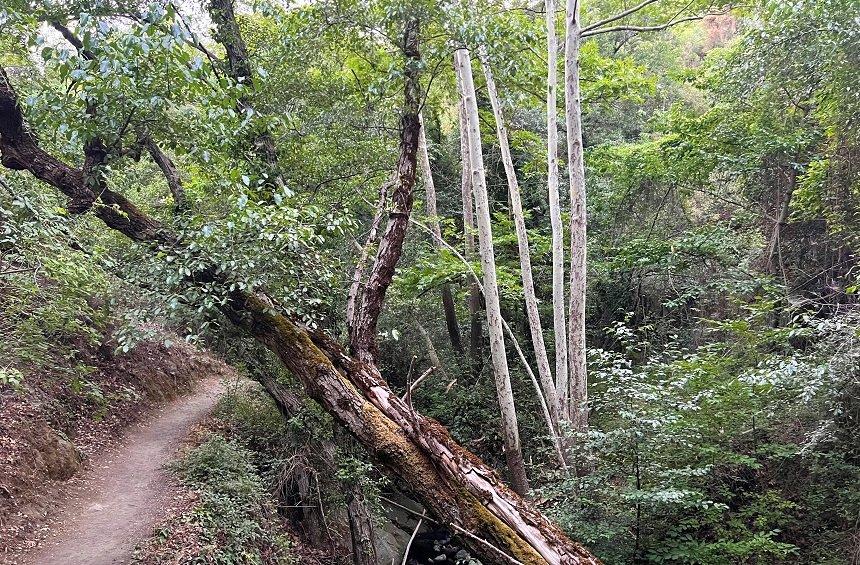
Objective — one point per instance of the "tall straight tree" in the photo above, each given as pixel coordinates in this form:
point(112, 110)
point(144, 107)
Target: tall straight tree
point(532, 312)
point(559, 307)
point(574, 407)
point(433, 215)
point(513, 450)
point(474, 299)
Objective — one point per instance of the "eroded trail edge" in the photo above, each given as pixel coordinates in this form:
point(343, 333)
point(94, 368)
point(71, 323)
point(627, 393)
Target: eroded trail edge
point(121, 497)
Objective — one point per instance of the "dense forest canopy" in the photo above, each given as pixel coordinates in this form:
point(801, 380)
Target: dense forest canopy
point(379, 210)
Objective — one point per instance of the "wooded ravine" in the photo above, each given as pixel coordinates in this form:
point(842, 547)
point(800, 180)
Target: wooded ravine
point(495, 282)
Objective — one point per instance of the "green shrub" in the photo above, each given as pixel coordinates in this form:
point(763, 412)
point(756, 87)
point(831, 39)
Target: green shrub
point(234, 513)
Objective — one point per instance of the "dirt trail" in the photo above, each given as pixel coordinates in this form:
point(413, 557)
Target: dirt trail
point(122, 495)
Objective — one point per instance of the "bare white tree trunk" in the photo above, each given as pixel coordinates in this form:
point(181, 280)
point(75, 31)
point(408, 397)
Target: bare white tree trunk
point(559, 317)
point(522, 242)
point(429, 185)
point(469, 232)
point(513, 451)
point(577, 390)
point(538, 390)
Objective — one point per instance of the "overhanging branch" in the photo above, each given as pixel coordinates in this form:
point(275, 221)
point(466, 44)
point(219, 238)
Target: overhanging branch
point(668, 24)
point(617, 16)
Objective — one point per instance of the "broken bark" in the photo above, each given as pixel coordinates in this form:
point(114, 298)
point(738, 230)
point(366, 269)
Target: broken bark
point(363, 339)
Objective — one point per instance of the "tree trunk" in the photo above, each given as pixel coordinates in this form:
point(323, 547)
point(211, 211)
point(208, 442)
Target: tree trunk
point(451, 482)
point(431, 350)
point(774, 261)
point(474, 301)
point(372, 236)
point(363, 336)
point(513, 451)
point(239, 69)
point(575, 406)
point(455, 486)
point(532, 311)
point(228, 34)
point(312, 515)
point(433, 214)
point(559, 307)
point(360, 527)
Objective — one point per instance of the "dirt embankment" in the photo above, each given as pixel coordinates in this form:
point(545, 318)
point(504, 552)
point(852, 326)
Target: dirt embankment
point(62, 417)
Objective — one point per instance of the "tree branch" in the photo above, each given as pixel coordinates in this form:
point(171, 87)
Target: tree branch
point(228, 34)
point(69, 36)
point(171, 175)
point(21, 152)
point(618, 16)
point(354, 296)
point(649, 28)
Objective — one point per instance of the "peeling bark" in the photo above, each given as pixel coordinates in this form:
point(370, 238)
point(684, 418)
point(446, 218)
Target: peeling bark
point(363, 339)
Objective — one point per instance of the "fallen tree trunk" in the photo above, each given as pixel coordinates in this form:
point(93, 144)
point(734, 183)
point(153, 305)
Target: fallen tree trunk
point(451, 482)
point(454, 484)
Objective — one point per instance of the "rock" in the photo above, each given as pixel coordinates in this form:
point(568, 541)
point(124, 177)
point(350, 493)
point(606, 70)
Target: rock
point(58, 455)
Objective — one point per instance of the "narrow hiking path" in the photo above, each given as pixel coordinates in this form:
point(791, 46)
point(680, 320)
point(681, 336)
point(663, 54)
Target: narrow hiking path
point(121, 496)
